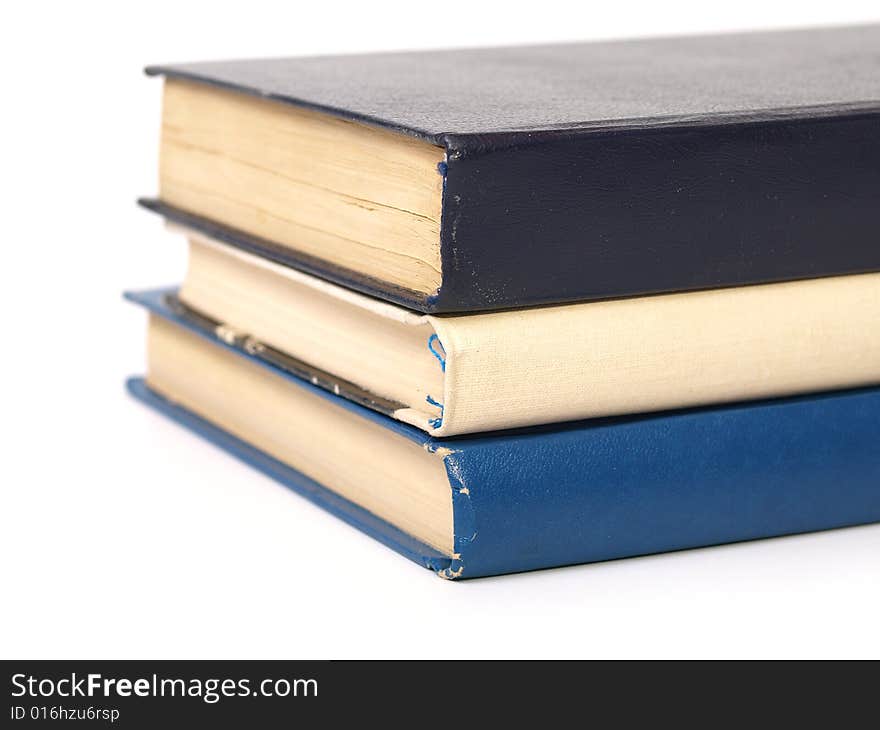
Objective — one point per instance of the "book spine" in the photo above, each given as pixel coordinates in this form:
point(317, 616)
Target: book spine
point(627, 211)
point(624, 487)
point(616, 487)
point(644, 354)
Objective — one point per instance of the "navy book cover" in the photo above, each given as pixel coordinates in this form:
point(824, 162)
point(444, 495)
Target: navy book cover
point(596, 170)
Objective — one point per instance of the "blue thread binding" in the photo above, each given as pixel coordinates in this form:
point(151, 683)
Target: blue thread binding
point(435, 422)
point(440, 358)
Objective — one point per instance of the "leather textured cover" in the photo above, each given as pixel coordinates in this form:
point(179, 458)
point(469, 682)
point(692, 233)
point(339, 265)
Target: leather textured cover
point(594, 170)
point(617, 487)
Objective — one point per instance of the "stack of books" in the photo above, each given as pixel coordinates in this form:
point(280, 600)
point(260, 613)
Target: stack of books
point(515, 308)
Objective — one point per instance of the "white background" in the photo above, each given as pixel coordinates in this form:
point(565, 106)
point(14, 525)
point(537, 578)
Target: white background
point(123, 536)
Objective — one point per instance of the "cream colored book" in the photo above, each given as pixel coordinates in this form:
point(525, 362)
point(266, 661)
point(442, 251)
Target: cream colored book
point(456, 374)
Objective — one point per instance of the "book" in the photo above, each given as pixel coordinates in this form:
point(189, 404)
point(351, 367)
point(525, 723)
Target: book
point(456, 374)
point(484, 179)
point(526, 499)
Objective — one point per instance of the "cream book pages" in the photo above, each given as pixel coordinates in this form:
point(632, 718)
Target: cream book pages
point(461, 374)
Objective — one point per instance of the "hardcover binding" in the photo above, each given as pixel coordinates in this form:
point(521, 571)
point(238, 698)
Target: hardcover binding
point(503, 96)
point(616, 487)
point(757, 161)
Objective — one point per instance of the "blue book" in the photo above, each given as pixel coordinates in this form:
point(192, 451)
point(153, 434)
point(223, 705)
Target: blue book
point(491, 178)
point(534, 498)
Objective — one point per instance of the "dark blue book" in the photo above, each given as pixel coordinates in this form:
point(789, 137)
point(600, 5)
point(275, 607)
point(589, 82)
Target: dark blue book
point(481, 179)
point(520, 500)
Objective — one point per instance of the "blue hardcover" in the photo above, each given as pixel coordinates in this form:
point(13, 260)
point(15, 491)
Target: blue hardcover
point(582, 171)
point(615, 487)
